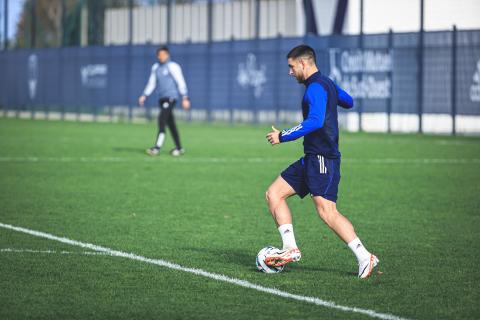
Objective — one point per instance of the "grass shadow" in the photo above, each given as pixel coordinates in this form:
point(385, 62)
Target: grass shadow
point(247, 259)
point(321, 269)
point(230, 255)
point(128, 150)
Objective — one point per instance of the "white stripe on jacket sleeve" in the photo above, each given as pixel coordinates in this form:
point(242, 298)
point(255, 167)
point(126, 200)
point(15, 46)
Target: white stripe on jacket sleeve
point(152, 81)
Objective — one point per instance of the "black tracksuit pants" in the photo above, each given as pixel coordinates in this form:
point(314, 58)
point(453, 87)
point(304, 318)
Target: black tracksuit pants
point(166, 118)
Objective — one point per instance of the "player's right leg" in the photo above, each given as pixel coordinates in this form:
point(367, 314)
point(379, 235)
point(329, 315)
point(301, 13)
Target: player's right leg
point(162, 120)
point(276, 197)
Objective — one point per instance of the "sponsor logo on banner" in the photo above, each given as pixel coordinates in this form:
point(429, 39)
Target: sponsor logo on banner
point(363, 74)
point(250, 74)
point(94, 75)
point(475, 87)
point(32, 75)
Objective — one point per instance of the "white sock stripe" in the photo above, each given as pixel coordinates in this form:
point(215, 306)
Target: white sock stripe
point(160, 139)
point(200, 272)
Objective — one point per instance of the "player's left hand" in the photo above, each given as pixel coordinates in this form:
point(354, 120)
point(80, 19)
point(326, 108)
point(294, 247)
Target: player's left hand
point(274, 136)
point(141, 100)
point(185, 103)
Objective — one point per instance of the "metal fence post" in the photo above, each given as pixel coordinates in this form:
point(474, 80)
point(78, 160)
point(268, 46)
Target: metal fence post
point(33, 22)
point(61, 83)
point(277, 74)
point(454, 79)
point(129, 58)
point(231, 55)
point(130, 22)
point(5, 24)
point(360, 102)
point(257, 19)
point(63, 43)
point(5, 38)
point(169, 21)
point(231, 78)
point(390, 76)
point(252, 101)
point(420, 69)
point(208, 73)
point(254, 106)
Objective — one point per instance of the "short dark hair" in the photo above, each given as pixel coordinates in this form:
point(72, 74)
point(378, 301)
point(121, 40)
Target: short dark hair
point(302, 51)
point(162, 48)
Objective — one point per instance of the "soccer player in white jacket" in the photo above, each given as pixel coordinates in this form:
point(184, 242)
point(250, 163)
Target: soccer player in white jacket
point(166, 80)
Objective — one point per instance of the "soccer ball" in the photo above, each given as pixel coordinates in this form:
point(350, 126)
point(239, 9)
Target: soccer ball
point(262, 266)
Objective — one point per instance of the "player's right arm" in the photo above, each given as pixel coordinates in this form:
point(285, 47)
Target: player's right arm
point(151, 84)
point(317, 99)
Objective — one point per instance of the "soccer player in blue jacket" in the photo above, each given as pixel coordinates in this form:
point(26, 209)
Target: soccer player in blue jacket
point(318, 172)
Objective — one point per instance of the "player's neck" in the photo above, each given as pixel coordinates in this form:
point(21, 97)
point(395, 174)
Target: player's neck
point(310, 71)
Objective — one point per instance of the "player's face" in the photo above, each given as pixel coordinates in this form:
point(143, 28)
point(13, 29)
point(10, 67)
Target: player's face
point(163, 56)
point(296, 69)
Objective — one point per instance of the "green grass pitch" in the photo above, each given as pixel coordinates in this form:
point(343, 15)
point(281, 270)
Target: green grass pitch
point(413, 199)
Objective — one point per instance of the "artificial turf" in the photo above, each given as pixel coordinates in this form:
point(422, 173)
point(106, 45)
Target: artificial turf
point(413, 199)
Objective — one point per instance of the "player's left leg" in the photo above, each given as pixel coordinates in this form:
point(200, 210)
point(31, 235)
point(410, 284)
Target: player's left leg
point(176, 137)
point(327, 210)
point(323, 178)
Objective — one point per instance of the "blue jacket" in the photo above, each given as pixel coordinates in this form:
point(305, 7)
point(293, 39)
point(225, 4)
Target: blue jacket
point(320, 117)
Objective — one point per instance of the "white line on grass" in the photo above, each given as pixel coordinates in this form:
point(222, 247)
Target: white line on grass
point(88, 253)
point(203, 273)
point(239, 160)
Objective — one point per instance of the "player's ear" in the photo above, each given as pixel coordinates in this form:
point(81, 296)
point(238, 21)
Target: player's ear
point(302, 62)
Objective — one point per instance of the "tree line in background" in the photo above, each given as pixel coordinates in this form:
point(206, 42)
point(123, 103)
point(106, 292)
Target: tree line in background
point(55, 23)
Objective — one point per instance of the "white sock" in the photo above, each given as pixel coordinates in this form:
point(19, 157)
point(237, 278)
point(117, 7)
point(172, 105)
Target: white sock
point(359, 250)
point(160, 139)
point(288, 238)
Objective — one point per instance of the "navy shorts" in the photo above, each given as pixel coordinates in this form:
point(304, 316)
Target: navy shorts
point(314, 175)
